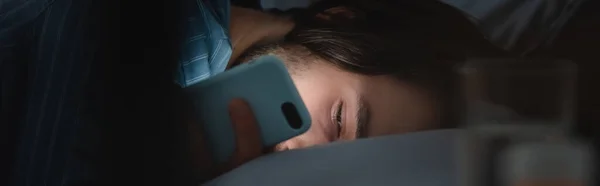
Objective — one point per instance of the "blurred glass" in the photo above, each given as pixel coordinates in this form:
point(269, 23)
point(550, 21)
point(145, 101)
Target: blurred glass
point(519, 96)
point(564, 164)
point(508, 102)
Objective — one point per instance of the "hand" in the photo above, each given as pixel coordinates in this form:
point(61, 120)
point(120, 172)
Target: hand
point(248, 27)
point(257, 26)
point(248, 142)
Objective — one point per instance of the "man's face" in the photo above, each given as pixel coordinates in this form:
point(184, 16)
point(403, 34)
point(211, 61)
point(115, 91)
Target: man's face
point(346, 106)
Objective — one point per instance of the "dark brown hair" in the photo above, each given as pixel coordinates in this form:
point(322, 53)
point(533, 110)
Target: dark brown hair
point(417, 41)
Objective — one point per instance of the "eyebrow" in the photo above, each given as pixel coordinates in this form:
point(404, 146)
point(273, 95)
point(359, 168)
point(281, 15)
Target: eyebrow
point(362, 118)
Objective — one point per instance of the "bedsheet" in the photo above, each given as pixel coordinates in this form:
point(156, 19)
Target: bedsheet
point(422, 158)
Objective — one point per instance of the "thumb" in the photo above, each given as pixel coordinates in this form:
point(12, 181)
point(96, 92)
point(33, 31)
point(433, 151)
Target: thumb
point(247, 133)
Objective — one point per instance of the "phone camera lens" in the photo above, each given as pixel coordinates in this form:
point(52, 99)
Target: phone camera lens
point(291, 115)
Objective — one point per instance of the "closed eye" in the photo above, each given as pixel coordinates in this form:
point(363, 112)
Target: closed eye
point(338, 118)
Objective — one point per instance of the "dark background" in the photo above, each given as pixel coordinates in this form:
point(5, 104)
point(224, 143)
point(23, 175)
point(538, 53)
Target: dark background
point(140, 117)
point(136, 103)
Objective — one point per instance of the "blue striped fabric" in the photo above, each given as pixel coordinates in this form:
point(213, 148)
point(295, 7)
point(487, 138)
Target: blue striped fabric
point(207, 48)
point(45, 60)
point(48, 65)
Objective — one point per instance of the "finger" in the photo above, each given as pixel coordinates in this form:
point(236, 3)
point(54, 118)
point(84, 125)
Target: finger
point(248, 140)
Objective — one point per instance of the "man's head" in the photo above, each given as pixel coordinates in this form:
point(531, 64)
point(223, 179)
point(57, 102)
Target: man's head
point(360, 75)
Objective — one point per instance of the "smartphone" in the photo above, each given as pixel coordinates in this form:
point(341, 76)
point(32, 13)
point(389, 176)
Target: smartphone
point(267, 87)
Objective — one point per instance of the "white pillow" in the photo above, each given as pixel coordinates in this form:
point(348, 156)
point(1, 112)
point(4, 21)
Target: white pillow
point(420, 159)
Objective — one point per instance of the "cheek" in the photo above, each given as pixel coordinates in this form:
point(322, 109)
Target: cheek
point(318, 97)
point(315, 95)
point(320, 86)
point(314, 136)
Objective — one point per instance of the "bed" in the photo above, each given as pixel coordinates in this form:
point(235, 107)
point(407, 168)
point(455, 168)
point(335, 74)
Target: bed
point(423, 159)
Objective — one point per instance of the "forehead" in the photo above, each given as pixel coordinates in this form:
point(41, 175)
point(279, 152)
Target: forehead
point(396, 107)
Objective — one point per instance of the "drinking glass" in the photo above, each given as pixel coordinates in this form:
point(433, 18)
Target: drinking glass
point(528, 97)
point(511, 101)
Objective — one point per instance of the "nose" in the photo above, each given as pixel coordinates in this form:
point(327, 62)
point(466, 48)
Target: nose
point(283, 146)
point(297, 143)
point(314, 136)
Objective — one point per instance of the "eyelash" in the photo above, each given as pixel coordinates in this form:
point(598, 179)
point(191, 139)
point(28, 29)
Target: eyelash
point(338, 118)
